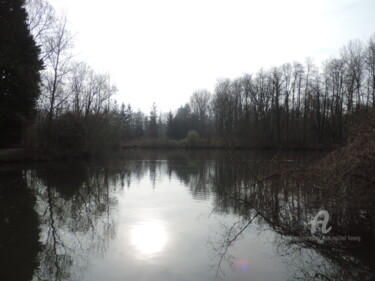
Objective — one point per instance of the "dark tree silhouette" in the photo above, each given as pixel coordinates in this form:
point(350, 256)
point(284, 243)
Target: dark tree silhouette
point(170, 125)
point(153, 126)
point(19, 72)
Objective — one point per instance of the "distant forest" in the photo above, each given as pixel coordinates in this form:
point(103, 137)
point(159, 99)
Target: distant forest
point(51, 102)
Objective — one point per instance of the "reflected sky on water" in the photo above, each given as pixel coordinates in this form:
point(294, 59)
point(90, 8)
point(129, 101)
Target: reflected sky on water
point(175, 216)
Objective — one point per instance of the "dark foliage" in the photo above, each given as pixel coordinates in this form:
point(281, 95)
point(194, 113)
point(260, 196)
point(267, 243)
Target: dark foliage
point(19, 72)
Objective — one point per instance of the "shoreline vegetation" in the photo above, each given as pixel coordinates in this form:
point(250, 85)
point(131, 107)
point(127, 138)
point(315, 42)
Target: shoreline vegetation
point(25, 155)
point(218, 144)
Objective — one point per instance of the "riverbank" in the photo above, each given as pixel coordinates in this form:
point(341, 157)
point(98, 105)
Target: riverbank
point(14, 155)
point(25, 155)
point(219, 144)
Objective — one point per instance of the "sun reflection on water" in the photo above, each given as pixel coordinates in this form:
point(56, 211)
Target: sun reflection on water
point(149, 237)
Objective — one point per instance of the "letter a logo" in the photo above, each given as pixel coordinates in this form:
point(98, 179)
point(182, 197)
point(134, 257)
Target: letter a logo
point(323, 223)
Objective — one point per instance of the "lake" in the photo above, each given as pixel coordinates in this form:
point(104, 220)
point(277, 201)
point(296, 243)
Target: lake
point(180, 215)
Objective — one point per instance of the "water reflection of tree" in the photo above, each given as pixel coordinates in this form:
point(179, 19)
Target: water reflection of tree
point(75, 204)
point(220, 245)
point(76, 216)
point(19, 228)
point(285, 203)
point(193, 170)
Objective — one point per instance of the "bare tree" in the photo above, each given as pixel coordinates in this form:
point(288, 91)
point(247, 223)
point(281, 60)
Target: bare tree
point(78, 83)
point(58, 59)
point(41, 20)
point(199, 103)
point(287, 78)
point(370, 64)
point(352, 54)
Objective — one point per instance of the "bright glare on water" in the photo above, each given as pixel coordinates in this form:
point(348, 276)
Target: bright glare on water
point(149, 237)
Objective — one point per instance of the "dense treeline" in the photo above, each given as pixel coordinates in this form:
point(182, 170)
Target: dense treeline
point(291, 105)
point(296, 104)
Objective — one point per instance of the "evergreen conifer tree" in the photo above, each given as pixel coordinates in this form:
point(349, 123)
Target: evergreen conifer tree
point(19, 72)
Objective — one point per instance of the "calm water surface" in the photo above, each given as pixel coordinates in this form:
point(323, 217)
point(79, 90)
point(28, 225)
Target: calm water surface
point(177, 216)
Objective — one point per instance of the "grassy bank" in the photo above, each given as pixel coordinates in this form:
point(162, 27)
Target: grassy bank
point(346, 173)
point(352, 166)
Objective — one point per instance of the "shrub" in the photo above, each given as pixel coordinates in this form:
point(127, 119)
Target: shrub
point(192, 138)
point(72, 135)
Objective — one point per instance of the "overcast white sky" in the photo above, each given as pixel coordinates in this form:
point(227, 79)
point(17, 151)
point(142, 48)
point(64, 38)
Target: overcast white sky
point(162, 50)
